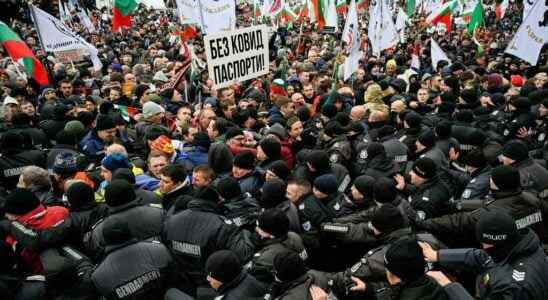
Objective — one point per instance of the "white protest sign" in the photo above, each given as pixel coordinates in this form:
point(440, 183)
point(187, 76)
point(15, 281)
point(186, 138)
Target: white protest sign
point(237, 55)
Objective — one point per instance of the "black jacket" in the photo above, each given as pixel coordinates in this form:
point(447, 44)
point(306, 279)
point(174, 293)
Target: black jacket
point(524, 207)
point(147, 276)
point(242, 210)
point(312, 213)
point(197, 232)
point(521, 274)
point(14, 160)
point(144, 222)
point(244, 286)
point(262, 264)
point(424, 288)
point(533, 176)
point(299, 288)
point(370, 268)
point(376, 167)
point(432, 199)
point(13, 287)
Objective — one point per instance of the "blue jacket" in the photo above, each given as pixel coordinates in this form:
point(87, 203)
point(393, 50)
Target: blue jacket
point(194, 157)
point(92, 146)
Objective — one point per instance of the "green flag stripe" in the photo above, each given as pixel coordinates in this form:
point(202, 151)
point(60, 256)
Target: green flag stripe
point(125, 6)
point(6, 34)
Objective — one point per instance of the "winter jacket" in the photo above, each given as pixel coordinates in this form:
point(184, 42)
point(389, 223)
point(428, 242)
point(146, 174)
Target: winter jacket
point(39, 218)
point(520, 274)
point(262, 264)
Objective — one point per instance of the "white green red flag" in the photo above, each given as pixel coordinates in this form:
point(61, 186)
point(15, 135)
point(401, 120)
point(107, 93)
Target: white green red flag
point(21, 53)
point(444, 15)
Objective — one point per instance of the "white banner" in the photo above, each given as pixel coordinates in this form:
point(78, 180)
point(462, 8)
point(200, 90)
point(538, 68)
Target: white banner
point(189, 11)
point(218, 15)
point(212, 15)
point(55, 36)
point(531, 35)
point(237, 55)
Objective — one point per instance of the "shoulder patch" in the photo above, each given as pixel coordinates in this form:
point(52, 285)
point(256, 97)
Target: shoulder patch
point(518, 276)
point(363, 154)
point(307, 226)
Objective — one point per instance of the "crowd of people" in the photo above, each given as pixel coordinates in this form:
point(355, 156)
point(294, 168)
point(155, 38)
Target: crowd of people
point(398, 183)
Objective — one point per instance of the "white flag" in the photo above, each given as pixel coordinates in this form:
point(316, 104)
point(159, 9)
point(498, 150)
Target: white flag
point(401, 23)
point(189, 11)
point(351, 36)
point(55, 36)
point(531, 35)
point(331, 17)
point(437, 54)
point(527, 5)
point(311, 13)
point(385, 34)
point(86, 21)
point(351, 24)
point(62, 13)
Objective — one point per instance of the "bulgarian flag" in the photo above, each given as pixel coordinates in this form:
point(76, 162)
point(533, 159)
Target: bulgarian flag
point(127, 112)
point(500, 9)
point(276, 7)
point(20, 52)
point(410, 7)
point(476, 19)
point(443, 15)
point(320, 12)
point(361, 4)
point(122, 13)
point(341, 6)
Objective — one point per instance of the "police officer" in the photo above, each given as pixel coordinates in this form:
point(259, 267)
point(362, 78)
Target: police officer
point(375, 163)
point(395, 149)
point(194, 234)
point(428, 194)
point(312, 214)
point(506, 194)
point(425, 146)
point(463, 131)
point(476, 165)
point(316, 163)
point(144, 222)
point(512, 264)
point(336, 144)
point(388, 226)
point(411, 129)
point(273, 228)
point(293, 279)
point(226, 277)
point(241, 208)
point(533, 176)
point(150, 271)
point(14, 157)
point(325, 190)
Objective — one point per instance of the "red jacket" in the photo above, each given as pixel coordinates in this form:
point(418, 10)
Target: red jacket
point(40, 218)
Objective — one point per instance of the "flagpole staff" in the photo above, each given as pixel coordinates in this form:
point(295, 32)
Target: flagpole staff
point(33, 14)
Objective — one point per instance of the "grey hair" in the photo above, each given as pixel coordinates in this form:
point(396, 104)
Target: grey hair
point(36, 177)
